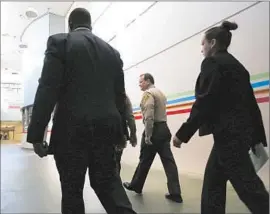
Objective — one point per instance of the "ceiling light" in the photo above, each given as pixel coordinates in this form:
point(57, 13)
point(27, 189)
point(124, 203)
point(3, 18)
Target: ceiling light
point(5, 34)
point(23, 45)
point(31, 13)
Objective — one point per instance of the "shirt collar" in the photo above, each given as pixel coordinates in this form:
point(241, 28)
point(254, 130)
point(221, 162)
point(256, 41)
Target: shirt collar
point(81, 28)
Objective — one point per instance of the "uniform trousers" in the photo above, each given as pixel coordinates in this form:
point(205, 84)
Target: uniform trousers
point(161, 144)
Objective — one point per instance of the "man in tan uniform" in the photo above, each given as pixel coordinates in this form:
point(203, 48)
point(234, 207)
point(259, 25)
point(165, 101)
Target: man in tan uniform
point(132, 128)
point(155, 139)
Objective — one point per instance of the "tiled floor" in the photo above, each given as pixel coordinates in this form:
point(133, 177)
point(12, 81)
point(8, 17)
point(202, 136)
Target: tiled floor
point(31, 185)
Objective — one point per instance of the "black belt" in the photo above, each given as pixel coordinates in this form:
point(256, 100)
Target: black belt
point(160, 122)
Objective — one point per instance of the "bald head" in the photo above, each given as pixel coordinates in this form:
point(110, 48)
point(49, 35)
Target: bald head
point(79, 17)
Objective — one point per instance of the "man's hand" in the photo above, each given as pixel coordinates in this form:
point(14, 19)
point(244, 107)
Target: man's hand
point(133, 140)
point(41, 149)
point(122, 144)
point(148, 141)
point(176, 142)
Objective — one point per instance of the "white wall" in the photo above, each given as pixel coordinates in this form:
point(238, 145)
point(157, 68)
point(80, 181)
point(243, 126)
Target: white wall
point(36, 37)
point(56, 24)
point(175, 70)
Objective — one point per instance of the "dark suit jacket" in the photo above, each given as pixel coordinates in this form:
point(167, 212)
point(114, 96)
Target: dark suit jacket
point(225, 103)
point(131, 124)
point(84, 76)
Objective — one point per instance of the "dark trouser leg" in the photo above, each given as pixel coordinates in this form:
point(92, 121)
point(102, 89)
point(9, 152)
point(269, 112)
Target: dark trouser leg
point(170, 168)
point(104, 179)
point(118, 156)
point(72, 166)
point(213, 200)
point(248, 184)
point(147, 155)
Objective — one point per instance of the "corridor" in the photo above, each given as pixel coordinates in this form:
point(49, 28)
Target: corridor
point(31, 185)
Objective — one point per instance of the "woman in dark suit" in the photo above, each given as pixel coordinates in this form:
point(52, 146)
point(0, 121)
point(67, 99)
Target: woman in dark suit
point(226, 107)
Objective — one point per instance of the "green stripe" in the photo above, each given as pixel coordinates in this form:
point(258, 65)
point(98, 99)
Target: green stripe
point(185, 93)
point(191, 93)
point(259, 76)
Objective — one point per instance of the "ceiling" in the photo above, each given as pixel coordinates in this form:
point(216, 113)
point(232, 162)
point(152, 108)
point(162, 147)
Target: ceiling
point(13, 22)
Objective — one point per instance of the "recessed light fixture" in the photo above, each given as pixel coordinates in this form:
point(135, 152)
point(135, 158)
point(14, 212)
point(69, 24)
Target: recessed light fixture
point(5, 34)
point(31, 13)
point(23, 45)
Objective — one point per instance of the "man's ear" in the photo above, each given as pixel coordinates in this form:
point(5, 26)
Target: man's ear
point(70, 26)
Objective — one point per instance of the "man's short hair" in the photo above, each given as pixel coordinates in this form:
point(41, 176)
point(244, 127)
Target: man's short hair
point(79, 17)
point(148, 76)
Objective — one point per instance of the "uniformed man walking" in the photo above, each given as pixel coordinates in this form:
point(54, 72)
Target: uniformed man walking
point(155, 139)
point(132, 136)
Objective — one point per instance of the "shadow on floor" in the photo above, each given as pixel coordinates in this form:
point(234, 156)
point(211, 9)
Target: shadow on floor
point(31, 185)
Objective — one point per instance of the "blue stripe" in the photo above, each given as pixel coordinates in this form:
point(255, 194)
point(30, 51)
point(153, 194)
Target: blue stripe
point(178, 100)
point(260, 84)
point(136, 109)
point(181, 100)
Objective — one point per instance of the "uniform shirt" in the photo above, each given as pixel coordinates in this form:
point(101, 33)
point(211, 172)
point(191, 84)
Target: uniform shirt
point(153, 107)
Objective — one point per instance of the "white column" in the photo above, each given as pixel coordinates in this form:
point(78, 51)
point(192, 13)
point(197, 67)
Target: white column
point(36, 38)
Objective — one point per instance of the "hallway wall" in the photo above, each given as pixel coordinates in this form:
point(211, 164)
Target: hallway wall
point(164, 38)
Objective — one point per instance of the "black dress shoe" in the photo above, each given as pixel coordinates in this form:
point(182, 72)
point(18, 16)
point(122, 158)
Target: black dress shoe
point(175, 198)
point(129, 187)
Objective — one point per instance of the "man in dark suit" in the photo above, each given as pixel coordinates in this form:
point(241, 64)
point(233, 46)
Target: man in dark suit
point(84, 76)
point(131, 137)
point(226, 107)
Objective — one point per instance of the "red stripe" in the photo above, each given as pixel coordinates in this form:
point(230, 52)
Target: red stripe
point(138, 117)
point(184, 111)
point(180, 111)
point(14, 107)
point(263, 100)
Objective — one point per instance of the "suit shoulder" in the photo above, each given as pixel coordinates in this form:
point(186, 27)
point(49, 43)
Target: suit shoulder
point(209, 61)
point(221, 59)
point(58, 37)
point(127, 99)
point(116, 51)
point(56, 44)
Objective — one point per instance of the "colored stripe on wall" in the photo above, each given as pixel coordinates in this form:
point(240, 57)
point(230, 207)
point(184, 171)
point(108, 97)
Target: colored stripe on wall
point(14, 107)
point(187, 110)
point(183, 103)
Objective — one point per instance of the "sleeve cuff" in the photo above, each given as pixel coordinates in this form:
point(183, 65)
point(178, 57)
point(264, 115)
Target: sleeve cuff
point(184, 133)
